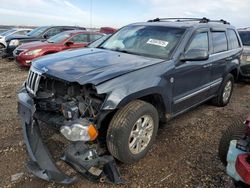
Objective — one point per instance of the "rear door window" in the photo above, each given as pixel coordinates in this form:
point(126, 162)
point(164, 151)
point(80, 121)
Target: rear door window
point(23, 32)
point(233, 39)
point(219, 41)
point(52, 32)
point(200, 41)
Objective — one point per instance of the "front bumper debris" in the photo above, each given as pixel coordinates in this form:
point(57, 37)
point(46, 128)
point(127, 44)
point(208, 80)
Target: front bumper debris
point(86, 161)
point(78, 155)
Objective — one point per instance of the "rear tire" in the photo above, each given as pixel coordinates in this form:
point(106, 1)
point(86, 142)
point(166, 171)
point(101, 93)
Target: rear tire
point(235, 131)
point(225, 91)
point(132, 131)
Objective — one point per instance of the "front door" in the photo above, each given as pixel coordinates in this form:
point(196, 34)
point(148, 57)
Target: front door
point(192, 78)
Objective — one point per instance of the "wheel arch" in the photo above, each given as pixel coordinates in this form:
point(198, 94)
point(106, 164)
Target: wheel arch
point(154, 98)
point(235, 73)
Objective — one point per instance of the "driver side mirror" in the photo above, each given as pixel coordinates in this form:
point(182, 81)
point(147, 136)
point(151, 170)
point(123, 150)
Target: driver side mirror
point(46, 36)
point(69, 43)
point(195, 55)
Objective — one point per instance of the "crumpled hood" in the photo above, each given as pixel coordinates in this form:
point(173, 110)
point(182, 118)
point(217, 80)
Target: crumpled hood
point(90, 65)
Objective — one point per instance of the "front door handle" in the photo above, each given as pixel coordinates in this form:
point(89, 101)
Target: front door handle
point(229, 59)
point(207, 65)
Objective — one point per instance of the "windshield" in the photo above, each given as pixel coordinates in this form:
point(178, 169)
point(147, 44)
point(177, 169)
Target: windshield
point(6, 33)
point(99, 41)
point(151, 41)
point(58, 38)
point(245, 38)
point(38, 31)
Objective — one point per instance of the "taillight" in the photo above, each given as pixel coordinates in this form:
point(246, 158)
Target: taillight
point(243, 167)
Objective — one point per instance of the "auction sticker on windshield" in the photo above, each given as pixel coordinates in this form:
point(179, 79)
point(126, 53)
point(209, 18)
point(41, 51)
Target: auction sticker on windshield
point(157, 42)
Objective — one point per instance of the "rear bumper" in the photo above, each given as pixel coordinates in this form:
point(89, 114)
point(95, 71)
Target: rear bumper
point(41, 162)
point(245, 71)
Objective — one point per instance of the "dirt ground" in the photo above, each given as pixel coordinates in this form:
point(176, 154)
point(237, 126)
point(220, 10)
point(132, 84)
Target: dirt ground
point(184, 154)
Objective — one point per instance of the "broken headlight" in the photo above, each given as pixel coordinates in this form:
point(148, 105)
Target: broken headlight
point(79, 130)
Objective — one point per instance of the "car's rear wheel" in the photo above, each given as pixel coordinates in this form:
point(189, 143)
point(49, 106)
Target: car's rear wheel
point(225, 91)
point(235, 131)
point(132, 131)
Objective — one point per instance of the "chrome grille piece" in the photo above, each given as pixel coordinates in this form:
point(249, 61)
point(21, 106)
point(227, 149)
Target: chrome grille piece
point(17, 52)
point(33, 80)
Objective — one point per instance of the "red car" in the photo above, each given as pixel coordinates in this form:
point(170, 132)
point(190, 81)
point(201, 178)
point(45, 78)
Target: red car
point(25, 53)
point(234, 152)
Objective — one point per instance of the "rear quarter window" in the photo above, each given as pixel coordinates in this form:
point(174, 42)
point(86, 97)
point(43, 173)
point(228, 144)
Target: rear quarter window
point(233, 39)
point(219, 41)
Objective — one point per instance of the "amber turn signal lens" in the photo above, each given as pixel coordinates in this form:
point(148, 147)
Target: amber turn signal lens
point(92, 132)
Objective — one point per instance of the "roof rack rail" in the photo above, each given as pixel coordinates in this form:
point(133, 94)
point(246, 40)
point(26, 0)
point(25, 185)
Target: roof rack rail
point(200, 20)
point(244, 28)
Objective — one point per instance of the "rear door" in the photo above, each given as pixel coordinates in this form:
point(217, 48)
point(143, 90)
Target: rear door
point(225, 46)
point(192, 78)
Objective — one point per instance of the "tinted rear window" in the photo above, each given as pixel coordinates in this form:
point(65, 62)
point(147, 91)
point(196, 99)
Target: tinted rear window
point(245, 37)
point(219, 41)
point(233, 39)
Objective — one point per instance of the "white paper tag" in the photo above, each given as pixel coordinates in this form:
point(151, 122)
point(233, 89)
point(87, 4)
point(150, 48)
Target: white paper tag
point(157, 42)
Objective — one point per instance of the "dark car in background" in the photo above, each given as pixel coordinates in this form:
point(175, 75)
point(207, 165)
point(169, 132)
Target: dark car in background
point(110, 99)
point(245, 60)
point(25, 53)
point(39, 34)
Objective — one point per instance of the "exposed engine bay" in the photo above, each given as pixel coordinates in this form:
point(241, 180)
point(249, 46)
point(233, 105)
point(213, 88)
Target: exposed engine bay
point(72, 100)
point(73, 111)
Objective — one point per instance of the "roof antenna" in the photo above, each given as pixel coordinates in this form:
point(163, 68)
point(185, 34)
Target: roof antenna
point(91, 14)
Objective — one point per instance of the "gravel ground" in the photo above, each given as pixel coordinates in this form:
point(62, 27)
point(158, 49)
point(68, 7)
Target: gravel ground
point(184, 154)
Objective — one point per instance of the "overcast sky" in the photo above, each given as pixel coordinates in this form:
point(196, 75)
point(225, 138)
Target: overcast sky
point(116, 13)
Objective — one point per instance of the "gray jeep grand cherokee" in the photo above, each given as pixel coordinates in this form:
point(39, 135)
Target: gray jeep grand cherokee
point(110, 99)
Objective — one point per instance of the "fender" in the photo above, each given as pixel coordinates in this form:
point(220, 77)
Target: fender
point(136, 85)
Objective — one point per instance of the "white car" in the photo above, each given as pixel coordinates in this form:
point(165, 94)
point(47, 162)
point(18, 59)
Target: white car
point(15, 31)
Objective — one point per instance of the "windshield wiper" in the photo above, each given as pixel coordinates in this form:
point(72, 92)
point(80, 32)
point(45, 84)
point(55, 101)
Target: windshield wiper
point(101, 47)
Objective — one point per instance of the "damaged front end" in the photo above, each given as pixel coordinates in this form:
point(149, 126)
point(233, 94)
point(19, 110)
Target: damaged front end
point(70, 110)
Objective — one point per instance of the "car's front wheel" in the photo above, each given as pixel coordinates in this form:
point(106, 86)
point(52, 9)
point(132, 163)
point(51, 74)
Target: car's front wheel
point(132, 131)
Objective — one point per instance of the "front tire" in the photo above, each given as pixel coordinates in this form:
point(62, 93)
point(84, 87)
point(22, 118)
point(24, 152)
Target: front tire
point(225, 91)
point(132, 131)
